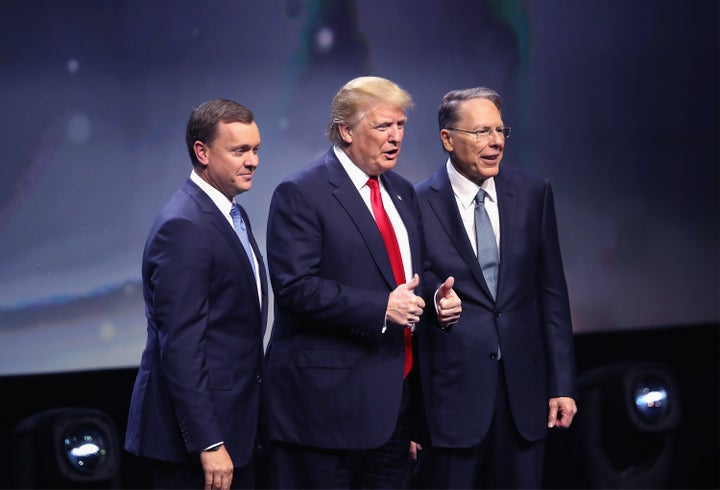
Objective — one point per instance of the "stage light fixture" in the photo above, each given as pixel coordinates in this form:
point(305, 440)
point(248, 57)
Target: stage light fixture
point(651, 399)
point(626, 417)
point(650, 395)
point(65, 448)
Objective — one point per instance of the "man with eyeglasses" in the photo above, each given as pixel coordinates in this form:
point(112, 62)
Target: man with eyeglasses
point(496, 381)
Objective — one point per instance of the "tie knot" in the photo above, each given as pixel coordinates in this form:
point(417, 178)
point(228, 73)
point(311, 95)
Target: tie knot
point(238, 221)
point(480, 197)
point(373, 182)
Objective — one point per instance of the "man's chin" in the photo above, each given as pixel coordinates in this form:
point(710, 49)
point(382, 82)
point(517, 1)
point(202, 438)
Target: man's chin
point(243, 188)
point(487, 172)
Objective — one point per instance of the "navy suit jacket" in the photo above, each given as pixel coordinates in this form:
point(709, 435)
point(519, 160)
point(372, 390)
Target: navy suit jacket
point(334, 380)
point(530, 319)
point(198, 381)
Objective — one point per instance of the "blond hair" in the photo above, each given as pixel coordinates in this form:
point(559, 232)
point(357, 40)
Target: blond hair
point(360, 94)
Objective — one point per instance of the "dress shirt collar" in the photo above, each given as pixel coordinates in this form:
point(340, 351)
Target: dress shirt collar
point(220, 200)
point(358, 177)
point(465, 189)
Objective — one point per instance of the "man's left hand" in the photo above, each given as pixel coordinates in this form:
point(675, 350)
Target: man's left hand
point(447, 303)
point(562, 411)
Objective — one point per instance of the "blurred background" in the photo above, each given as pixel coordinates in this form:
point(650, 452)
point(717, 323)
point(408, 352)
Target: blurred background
point(616, 102)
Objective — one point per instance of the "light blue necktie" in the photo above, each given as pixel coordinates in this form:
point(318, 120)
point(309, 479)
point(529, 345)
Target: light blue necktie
point(241, 231)
point(487, 252)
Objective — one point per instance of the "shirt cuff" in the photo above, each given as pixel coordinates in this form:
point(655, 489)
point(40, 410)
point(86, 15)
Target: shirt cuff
point(214, 447)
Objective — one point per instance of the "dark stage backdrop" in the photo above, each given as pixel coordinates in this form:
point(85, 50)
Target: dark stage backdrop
point(615, 101)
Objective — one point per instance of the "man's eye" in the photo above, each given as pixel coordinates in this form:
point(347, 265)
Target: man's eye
point(484, 132)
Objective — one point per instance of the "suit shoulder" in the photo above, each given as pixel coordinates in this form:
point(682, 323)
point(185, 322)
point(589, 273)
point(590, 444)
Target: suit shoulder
point(535, 188)
point(521, 177)
point(309, 173)
point(423, 186)
point(397, 180)
point(183, 206)
point(431, 183)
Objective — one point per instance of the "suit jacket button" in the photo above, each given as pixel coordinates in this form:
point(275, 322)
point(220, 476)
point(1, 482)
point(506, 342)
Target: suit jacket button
point(258, 379)
point(401, 351)
point(493, 356)
point(497, 314)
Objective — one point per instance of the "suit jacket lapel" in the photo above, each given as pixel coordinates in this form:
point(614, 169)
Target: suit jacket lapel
point(261, 263)
point(221, 223)
point(214, 216)
point(261, 270)
point(408, 219)
point(443, 204)
point(349, 198)
point(507, 209)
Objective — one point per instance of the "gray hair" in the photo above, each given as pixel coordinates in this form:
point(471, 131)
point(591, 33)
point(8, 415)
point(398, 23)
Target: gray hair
point(449, 113)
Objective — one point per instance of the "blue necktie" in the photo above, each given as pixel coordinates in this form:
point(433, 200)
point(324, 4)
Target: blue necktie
point(487, 252)
point(241, 231)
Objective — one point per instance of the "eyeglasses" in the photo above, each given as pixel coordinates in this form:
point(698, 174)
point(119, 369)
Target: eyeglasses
point(484, 134)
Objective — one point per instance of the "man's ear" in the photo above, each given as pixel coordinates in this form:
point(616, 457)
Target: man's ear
point(201, 152)
point(446, 140)
point(345, 133)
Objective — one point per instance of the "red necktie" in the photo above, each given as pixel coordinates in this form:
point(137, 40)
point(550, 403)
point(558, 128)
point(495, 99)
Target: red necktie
point(393, 250)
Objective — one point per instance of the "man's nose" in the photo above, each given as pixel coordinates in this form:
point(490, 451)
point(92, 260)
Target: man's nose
point(395, 133)
point(496, 137)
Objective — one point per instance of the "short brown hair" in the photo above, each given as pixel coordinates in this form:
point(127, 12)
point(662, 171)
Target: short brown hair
point(203, 122)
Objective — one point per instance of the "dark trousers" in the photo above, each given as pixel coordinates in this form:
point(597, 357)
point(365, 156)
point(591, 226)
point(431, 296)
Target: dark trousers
point(301, 467)
point(166, 475)
point(502, 460)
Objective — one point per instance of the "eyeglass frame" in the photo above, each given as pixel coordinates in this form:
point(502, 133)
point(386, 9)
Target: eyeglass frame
point(486, 133)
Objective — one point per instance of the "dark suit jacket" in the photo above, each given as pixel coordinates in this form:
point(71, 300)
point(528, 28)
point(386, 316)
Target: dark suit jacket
point(198, 381)
point(530, 319)
point(334, 380)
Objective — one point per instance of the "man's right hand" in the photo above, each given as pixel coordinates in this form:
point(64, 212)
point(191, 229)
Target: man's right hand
point(404, 307)
point(218, 469)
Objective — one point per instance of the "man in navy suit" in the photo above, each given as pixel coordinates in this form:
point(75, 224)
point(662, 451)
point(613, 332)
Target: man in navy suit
point(339, 392)
point(497, 380)
point(195, 405)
